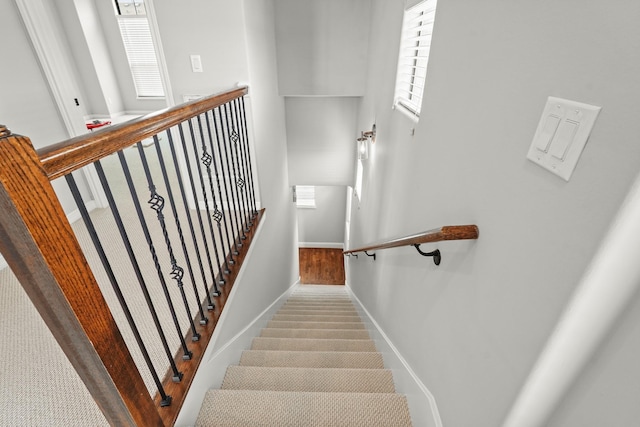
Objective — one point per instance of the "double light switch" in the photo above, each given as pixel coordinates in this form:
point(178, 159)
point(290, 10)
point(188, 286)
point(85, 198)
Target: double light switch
point(561, 135)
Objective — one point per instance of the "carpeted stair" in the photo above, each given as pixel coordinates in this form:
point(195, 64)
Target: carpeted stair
point(313, 365)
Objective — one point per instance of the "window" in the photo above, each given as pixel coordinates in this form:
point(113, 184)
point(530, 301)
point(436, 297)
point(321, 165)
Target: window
point(138, 44)
point(359, 171)
point(305, 196)
point(415, 43)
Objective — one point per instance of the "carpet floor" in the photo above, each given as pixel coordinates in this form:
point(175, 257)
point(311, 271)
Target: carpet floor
point(313, 365)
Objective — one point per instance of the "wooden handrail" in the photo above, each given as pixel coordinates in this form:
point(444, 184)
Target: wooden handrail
point(448, 232)
point(65, 157)
point(41, 248)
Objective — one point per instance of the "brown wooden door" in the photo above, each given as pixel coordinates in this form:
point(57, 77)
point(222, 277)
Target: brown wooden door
point(321, 266)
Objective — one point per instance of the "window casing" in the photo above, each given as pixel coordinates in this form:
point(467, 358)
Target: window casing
point(139, 47)
point(415, 44)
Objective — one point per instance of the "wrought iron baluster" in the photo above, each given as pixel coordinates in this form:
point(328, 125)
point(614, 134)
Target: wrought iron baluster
point(221, 280)
point(228, 186)
point(241, 166)
point(222, 215)
point(165, 399)
point(235, 187)
point(143, 223)
point(185, 203)
point(248, 151)
point(157, 204)
point(217, 213)
point(174, 211)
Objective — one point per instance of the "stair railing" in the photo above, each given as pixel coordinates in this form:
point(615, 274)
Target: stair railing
point(449, 232)
point(195, 161)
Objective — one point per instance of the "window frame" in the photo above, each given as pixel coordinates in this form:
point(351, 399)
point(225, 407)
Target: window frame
point(413, 57)
point(140, 50)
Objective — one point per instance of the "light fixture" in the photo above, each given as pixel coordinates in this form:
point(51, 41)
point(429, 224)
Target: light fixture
point(363, 143)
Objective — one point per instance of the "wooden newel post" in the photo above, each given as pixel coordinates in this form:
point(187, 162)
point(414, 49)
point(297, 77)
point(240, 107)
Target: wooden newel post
point(39, 245)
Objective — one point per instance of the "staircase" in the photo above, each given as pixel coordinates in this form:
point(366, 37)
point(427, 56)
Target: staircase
point(313, 365)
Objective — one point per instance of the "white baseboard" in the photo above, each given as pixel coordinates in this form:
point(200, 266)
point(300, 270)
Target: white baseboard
point(407, 382)
point(72, 217)
point(322, 245)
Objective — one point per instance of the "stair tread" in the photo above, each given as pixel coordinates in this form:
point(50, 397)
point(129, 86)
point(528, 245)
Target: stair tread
point(315, 317)
point(231, 408)
point(314, 324)
point(304, 344)
point(312, 359)
point(308, 379)
point(318, 312)
point(352, 334)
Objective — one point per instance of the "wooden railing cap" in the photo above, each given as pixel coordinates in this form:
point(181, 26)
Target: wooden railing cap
point(4, 131)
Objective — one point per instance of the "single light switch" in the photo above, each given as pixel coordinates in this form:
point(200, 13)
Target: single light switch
point(563, 141)
point(561, 135)
point(196, 64)
point(548, 132)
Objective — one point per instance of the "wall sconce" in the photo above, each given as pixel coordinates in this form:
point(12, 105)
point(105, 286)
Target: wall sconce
point(363, 143)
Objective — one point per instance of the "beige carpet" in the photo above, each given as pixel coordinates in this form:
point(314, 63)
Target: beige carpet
point(313, 365)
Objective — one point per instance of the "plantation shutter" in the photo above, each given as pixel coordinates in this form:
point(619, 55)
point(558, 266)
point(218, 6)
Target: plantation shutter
point(138, 45)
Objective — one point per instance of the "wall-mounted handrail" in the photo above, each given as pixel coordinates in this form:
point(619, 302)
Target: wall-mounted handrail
point(448, 232)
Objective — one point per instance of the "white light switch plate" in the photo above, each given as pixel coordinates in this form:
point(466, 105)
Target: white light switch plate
point(196, 64)
point(561, 135)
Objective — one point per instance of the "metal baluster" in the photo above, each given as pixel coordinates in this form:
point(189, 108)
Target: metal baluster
point(248, 150)
point(206, 203)
point(220, 143)
point(234, 194)
point(221, 216)
point(241, 166)
point(136, 268)
point(143, 223)
point(217, 214)
point(165, 399)
point(174, 210)
point(157, 204)
point(210, 305)
point(194, 193)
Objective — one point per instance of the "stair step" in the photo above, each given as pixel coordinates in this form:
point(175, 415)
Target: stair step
point(315, 318)
point(321, 301)
point(232, 408)
point(345, 334)
point(305, 312)
point(342, 307)
point(302, 344)
point(315, 325)
point(312, 359)
point(340, 380)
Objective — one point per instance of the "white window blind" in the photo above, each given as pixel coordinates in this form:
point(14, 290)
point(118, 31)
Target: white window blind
point(305, 196)
point(417, 28)
point(138, 45)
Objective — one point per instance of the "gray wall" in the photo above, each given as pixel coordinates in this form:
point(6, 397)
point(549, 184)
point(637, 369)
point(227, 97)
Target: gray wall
point(325, 223)
point(321, 139)
point(322, 46)
point(473, 327)
point(211, 29)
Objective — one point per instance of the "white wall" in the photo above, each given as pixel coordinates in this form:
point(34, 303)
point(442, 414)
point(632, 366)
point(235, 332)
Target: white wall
point(273, 265)
point(213, 29)
point(93, 58)
point(321, 135)
point(472, 327)
point(322, 46)
point(325, 223)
